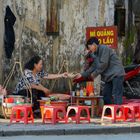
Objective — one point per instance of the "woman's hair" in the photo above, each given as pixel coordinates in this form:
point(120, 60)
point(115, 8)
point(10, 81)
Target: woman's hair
point(30, 64)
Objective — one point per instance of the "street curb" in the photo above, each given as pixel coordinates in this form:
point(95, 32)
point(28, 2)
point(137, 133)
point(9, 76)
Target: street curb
point(94, 131)
point(87, 131)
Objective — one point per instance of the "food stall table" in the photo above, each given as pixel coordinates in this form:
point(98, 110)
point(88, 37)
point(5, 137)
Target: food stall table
point(94, 102)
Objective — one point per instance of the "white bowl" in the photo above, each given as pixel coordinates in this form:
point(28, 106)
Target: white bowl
point(9, 105)
point(45, 98)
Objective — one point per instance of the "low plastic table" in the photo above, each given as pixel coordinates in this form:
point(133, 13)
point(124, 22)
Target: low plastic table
point(94, 102)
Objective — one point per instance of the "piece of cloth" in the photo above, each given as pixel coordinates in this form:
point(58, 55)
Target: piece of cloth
point(9, 36)
point(90, 66)
point(113, 89)
point(107, 64)
point(28, 76)
point(36, 95)
point(89, 59)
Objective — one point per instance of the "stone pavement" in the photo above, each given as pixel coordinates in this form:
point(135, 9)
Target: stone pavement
point(95, 127)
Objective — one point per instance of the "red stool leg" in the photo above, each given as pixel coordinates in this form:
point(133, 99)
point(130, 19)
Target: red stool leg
point(103, 113)
point(29, 114)
point(80, 109)
point(88, 114)
point(43, 119)
point(32, 115)
point(78, 115)
point(25, 111)
point(64, 115)
point(126, 114)
point(114, 113)
point(133, 114)
point(139, 112)
point(54, 116)
point(45, 114)
point(12, 116)
point(67, 114)
point(18, 115)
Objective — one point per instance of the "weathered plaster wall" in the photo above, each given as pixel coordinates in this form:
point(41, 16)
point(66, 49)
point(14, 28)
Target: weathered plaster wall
point(75, 16)
point(1, 40)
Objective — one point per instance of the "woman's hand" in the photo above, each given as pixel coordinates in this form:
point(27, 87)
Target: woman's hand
point(3, 91)
point(46, 91)
point(57, 76)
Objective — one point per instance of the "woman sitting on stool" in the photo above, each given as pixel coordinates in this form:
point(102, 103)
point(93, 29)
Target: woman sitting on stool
point(33, 73)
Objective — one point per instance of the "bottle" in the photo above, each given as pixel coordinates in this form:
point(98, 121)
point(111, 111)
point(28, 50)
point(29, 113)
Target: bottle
point(73, 93)
point(48, 102)
point(78, 89)
point(81, 92)
point(91, 90)
point(96, 93)
point(84, 92)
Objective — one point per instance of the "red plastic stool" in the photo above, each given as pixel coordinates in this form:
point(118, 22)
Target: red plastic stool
point(51, 113)
point(133, 109)
point(27, 114)
point(137, 110)
point(113, 116)
point(78, 110)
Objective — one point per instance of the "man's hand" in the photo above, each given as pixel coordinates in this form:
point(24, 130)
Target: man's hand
point(93, 76)
point(64, 75)
point(77, 76)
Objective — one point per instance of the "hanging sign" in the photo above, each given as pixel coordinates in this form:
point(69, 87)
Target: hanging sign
point(107, 35)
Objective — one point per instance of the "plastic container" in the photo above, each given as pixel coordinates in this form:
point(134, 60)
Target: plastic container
point(9, 100)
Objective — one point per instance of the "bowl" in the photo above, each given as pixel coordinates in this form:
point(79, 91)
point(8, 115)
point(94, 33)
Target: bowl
point(45, 98)
point(9, 100)
point(9, 105)
point(60, 96)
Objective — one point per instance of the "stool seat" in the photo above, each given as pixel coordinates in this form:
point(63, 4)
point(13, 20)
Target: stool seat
point(78, 110)
point(27, 112)
point(52, 114)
